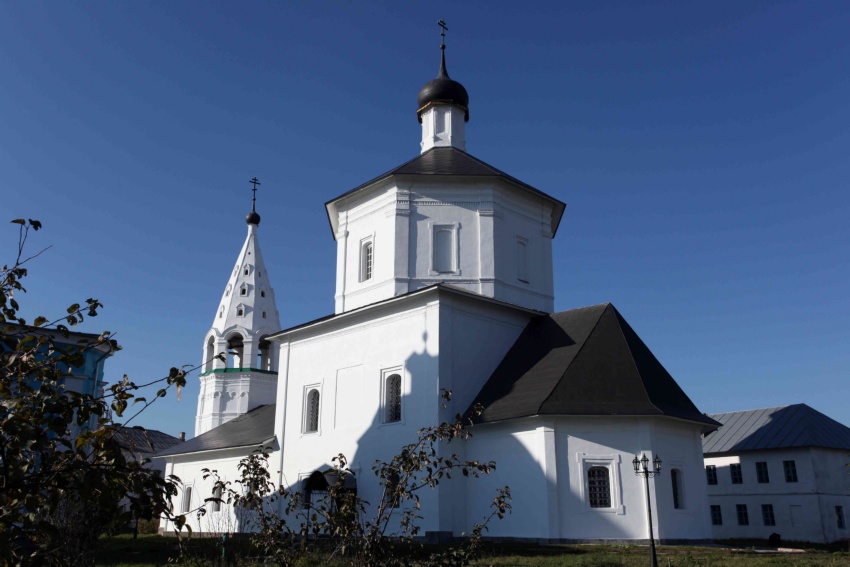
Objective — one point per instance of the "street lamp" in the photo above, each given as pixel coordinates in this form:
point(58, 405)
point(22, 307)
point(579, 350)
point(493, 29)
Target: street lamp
point(642, 469)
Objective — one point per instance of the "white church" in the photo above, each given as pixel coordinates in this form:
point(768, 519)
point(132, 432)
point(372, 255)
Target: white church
point(444, 280)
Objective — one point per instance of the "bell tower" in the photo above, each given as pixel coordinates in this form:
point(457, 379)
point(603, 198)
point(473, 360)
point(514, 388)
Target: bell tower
point(239, 365)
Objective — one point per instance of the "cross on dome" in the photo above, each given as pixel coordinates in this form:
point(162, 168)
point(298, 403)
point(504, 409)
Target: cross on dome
point(253, 217)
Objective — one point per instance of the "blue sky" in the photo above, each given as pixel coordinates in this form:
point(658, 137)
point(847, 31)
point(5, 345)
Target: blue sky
point(701, 148)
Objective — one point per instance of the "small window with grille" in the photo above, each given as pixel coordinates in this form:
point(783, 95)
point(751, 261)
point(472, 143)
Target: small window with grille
point(599, 487)
point(311, 411)
point(392, 398)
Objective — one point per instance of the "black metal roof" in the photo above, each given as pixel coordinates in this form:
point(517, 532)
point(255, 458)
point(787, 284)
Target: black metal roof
point(443, 90)
point(450, 161)
point(586, 362)
point(253, 428)
point(782, 427)
point(140, 440)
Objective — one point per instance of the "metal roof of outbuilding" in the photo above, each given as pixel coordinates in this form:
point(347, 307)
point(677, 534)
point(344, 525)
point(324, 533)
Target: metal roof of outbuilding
point(781, 427)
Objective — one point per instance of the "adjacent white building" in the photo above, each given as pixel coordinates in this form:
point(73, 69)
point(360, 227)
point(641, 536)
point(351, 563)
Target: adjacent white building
point(444, 280)
point(779, 470)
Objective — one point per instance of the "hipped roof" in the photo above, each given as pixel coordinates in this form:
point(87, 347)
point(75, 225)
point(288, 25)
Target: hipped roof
point(586, 362)
point(450, 161)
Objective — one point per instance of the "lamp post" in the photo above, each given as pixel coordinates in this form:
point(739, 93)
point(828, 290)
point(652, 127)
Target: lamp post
point(642, 469)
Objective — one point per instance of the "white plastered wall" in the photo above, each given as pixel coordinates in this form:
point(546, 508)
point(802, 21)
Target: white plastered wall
point(545, 461)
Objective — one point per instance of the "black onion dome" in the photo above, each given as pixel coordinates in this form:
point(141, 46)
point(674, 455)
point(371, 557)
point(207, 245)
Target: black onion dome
point(253, 218)
point(443, 90)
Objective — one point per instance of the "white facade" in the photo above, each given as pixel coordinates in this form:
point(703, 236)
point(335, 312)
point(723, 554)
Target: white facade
point(484, 235)
point(443, 125)
point(364, 381)
point(810, 503)
point(247, 314)
point(546, 461)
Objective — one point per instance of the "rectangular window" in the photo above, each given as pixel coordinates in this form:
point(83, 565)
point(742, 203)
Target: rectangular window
point(716, 515)
point(743, 517)
point(761, 472)
point(839, 517)
point(599, 487)
point(711, 474)
point(187, 499)
point(366, 260)
point(676, 478)
point(522, 259)
point(767, 515)
point(790, 471)
point(735, 470)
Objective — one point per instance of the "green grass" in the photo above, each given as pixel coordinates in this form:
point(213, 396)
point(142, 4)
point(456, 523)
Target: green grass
point(154, 550)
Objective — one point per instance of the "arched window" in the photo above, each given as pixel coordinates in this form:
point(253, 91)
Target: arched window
point(315, 489)
point(209, 354)
point(244, 290)
point(187, 499)
point(311, 412)
point(521, 260)
point(235, 351)
point(245, 271)
point(599, 487)
point(264, 355)
point(227, 291)
point(366, 260)
point(263, 293)
point(676, 479)
point(240, 312)
point(264, 314)
point(221, 312)
point(392, 398)
point(217, 493)
point(444, 250)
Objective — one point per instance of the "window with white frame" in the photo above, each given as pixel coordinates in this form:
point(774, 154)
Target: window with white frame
point(522, 259)
point(392, 396)
point(444, 248)
point(311, 410)
point(367, 259)
point(601, 482)
point(187, 499)
point(217, 494)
